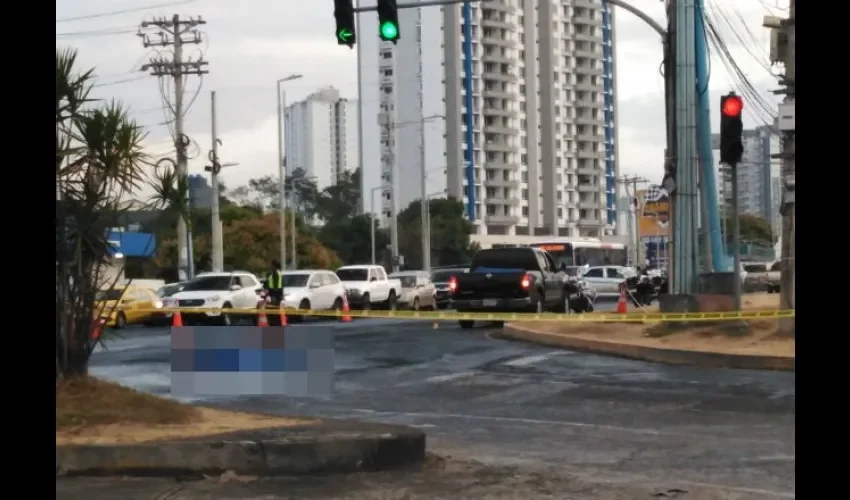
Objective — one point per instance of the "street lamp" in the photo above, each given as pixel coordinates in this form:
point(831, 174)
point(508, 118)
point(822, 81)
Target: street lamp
point(217, 240)
point(424, 206)
point(281, 160)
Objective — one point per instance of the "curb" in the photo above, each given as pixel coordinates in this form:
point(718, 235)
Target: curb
point(283, 452)
point(652, 354)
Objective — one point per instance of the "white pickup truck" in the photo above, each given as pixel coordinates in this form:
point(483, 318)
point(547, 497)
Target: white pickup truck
point(368, 286)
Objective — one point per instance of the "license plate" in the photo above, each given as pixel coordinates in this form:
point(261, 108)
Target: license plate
point(491, 303)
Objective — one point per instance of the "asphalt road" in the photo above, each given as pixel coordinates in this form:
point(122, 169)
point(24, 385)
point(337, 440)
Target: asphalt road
point(597, 419)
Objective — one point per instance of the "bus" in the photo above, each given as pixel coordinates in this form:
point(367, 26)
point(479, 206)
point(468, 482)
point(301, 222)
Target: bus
point(584, 251)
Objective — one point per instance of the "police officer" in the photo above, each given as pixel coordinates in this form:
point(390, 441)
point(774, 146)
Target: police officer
point(274, 283)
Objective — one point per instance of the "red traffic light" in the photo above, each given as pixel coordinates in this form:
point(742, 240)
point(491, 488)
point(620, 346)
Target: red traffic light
point(732, 106)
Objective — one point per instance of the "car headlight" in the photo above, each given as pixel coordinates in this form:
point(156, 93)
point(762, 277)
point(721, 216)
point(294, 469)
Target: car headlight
point(288, 296)
point(158, 304)
point(214, 298)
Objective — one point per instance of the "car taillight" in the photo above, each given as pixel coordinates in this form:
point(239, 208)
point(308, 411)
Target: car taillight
point(452, 284)
point(526, 282)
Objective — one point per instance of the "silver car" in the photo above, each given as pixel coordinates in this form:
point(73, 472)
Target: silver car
point(417, 290)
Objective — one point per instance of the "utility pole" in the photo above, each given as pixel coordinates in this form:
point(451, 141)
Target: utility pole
point(177, 33)
point(783, 49)
point(634, 237)
point(217, 244)
point(372, 220)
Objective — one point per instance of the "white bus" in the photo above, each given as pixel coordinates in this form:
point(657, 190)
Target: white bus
point(583, 251)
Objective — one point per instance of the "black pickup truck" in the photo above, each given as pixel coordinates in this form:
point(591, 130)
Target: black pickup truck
point(509, 280)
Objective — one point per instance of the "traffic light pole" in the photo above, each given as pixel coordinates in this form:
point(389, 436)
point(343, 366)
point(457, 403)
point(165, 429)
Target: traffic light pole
point(736, 239)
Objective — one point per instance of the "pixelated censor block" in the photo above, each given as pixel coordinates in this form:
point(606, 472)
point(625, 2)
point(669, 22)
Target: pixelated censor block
point(252, 360)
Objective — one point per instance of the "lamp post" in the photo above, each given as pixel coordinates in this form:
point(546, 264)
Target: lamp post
point(281, 159)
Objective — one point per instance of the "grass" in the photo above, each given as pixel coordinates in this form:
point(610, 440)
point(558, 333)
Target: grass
point(92, 411)
point(87, 401)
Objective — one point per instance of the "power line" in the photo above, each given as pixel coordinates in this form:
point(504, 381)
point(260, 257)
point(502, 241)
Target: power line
point(117, 82)
point(124, 11)
point(103, 32)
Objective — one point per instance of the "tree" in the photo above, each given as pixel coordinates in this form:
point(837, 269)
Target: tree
point(264, 192)
point(99, 162)
point(754, 229)
point(250, 243)
point(450, 244)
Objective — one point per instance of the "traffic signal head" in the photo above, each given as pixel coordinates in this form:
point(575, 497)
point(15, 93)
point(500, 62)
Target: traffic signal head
point(388, 20)
point(344, 14)
point(731, 129)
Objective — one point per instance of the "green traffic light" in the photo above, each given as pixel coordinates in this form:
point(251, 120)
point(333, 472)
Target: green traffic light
point(389, 31)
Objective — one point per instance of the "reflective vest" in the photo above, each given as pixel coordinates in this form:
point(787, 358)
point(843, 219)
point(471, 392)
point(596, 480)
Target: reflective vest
point(275, 280)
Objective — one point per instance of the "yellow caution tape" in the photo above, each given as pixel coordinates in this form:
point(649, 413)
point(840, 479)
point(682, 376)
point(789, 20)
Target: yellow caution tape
point(497, 316)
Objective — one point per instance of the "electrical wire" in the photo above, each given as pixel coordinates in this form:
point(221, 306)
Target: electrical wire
point(118, 82)
point(761, 108)
point(103, 32)
point(124, 11)
point(751, 45)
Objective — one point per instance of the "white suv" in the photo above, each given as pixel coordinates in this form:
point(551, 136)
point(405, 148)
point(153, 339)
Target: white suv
point(236, 290)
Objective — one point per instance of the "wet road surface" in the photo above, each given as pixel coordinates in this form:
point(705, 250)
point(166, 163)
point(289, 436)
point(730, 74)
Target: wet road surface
point(505, 404)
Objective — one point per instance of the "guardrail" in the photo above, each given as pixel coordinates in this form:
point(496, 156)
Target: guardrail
point(486, 316)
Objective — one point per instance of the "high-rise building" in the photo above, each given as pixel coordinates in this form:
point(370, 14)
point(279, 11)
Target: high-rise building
point(200, 192)
point(321, 136)
point(755, 175)
point(541, 146)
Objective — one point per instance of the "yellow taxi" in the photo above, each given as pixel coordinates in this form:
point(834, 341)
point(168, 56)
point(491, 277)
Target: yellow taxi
point(128, 305)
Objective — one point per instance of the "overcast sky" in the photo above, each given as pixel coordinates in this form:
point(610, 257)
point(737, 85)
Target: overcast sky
point(251, 43)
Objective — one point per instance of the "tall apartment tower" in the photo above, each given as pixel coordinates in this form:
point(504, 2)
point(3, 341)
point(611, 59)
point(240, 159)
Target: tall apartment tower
point(321, 136)
point(540, 154)
point(755, 174)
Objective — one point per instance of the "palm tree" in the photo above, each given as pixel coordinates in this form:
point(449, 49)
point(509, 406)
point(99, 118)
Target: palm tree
point(99, 163)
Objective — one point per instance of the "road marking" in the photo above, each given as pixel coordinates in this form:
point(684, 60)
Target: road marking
point(529, 360)
point(562, 423)
point(438, 379)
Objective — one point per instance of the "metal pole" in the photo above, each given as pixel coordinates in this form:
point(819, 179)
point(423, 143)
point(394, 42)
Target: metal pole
point(281, 160)
point(360, 114)
point(372, 220)
point(426, 231)
point(292, 229)
point(217, 243)
point(736, 239)
point(393, 200)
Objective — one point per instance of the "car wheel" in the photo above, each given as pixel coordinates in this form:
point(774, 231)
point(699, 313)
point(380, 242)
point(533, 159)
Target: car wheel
point(367, 303)
point(391, 301)
point(120, 321)
point(416, 304)
point(538, 308)
point(303, 306)
point(225, 319)
point(466, 324)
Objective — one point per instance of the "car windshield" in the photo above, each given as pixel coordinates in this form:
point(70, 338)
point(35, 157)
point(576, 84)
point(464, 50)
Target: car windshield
point(114, 294)
point(353, 274)
point(444, 275)
point(755, 268)
point(295, 280)
point(204, 283)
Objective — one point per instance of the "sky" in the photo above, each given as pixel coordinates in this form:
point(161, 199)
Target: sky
point(252, 43)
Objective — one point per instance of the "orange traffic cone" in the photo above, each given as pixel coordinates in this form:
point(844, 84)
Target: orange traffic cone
point(622, 308)
point(262, 319)
point(346, 311)
point(282, 314)
point(176, 319)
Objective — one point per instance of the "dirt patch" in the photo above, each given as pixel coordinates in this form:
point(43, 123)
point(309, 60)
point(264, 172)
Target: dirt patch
point(92, 411)
point(750, 302)
point(753, 337)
